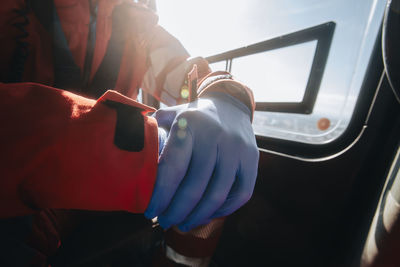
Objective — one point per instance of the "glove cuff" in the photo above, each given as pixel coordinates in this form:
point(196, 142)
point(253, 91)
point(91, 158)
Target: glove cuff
point(222, 81)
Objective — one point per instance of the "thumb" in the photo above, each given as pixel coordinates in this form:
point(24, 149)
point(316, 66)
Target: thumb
point(166, 116)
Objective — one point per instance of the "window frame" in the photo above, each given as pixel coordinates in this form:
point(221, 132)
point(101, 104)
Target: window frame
point(322, 33)
point(372, 81)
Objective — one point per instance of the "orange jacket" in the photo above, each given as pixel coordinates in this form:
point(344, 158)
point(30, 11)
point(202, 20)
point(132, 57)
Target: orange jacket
point(60, 150)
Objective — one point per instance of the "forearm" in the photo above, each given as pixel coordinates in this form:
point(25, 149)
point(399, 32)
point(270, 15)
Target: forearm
point(60, 150)
point(168, 66)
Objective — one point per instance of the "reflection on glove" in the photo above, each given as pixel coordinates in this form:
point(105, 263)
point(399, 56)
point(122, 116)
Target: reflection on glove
point(208, 166)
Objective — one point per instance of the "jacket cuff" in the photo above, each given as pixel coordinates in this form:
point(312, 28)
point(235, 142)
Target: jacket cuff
point(129, 136)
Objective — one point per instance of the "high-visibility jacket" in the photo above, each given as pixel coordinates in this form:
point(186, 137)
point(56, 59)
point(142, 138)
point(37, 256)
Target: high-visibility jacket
point(61, 150)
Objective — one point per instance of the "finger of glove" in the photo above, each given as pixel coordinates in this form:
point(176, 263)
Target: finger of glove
point(242, 188)
point(192, 186)
point(217, 190)
point(173, 164)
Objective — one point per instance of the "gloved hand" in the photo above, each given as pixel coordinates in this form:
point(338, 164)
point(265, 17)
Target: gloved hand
point(208, 166)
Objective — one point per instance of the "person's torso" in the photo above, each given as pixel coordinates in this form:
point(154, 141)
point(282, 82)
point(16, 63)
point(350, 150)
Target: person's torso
point(102, 41)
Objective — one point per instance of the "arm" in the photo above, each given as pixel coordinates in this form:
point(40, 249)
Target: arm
point(208, 166)
point(59, 150)
point(168, 66)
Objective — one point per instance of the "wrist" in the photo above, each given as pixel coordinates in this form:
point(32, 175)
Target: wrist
point(223, 82)
point(223, 98)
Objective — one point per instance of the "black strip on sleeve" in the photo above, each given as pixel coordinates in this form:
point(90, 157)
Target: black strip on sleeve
point(129, 129)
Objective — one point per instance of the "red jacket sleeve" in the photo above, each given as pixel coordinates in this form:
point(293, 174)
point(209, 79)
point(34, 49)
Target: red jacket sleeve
point(60, 150)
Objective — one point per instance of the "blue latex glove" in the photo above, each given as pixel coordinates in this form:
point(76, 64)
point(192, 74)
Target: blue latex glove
point(208, 166)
